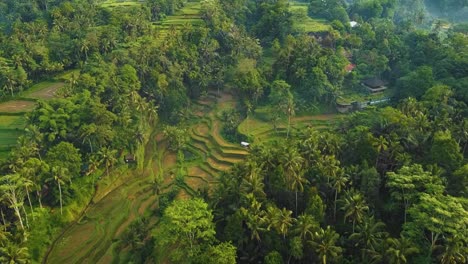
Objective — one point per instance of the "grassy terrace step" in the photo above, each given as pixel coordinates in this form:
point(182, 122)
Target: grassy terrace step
point(101, 231)
point(212, 141)
point(209, 170)
point(205, 145)
point(199, 148)
point(217, 165)
point(216, 133)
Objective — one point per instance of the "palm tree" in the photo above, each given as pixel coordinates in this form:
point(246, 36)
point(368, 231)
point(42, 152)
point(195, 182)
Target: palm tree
point(454, 251)
point(11, 191)
point(399, 249)
point(4, 236)
point(13, 253)
point(338, 183)
point(59, 175)
point(27, 183)
point(324, 243)
point(380, 144)
point(291, 112)
point(31, 171)
point(107, 156)
point(328, 166)
point(88, 133)
point(292, 163)
point(369, 235)
point(305, 226)
point(354, 206)
point(255, 217)
point(36, 136)
point(297, 184)
point(253, 183)
point(279, 219)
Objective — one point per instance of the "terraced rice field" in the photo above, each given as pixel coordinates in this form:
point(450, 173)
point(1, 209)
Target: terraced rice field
point(189, 15)
point(93, 239)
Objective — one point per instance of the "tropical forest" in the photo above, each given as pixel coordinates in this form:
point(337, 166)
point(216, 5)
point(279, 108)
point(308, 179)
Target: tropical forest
point(234, 131)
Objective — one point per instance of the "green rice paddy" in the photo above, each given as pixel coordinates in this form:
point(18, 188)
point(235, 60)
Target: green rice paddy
point(12, 119)
point(303, 22)
point(121, 199)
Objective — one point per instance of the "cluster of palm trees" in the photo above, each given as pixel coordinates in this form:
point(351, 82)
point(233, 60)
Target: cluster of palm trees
point(260, 187)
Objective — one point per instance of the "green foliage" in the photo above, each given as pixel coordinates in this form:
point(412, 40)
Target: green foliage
point(273, 257)
point(223, 253)
point(186, 227)
point(66, 156)
point(178, 137)
point(445, 151)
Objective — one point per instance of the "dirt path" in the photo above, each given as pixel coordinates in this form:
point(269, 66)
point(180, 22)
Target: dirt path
point(46, 93)
point(16, 106)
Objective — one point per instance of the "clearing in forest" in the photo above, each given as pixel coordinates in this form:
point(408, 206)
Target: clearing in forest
point(16, 106)
point(44, 90)
point(94, 238)
point(12, 120)
point(303, 22)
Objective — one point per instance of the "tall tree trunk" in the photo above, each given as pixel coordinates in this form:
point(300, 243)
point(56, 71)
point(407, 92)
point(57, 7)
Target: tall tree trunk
point(39, 198)
point(289, 125)
point(3, 219)
point(60, 196)
point(25, 216)
point(296, 203)
point(30, 204)
point(18, 214)
point(334, 205)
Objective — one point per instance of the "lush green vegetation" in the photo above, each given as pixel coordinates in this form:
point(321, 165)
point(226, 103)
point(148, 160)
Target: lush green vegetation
point(120, 126)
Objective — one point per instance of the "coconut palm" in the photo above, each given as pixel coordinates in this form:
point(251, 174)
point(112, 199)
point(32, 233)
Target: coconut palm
point(254, 216)
point(4, 236)
point(107, 157)
point(279, 219)
point(291, 112)
point(399, 249)
point(11, 191)
point(14, 254)
point(354, 207)
point(454, 251)
point(297, 184)
point(253, 183)
point(31, 171)
point(338, 183)
point(27, 184)
point(292, 163)
point(369, 235)
point(305, 226)
point(380, 144)
point(324, 244)
point(59, 175)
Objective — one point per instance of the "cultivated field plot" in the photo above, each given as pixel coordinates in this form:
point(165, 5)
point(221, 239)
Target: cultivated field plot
point(259, 127)
point(305, 23)
point(44, 90)
point(121, 3)
point(188, 15)
point(16, 106)
point(12, 120)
